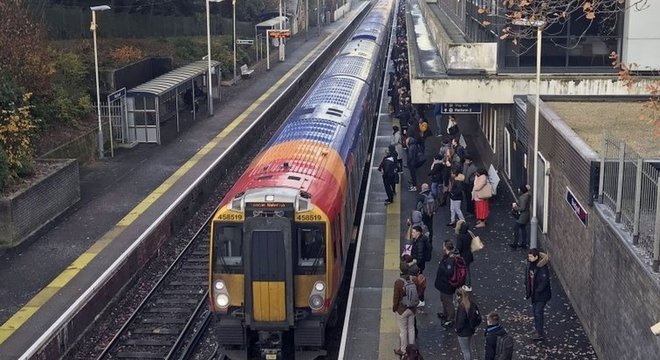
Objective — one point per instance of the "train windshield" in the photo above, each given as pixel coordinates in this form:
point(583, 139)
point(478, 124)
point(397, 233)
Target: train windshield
point(228, 246)
point(310, 246)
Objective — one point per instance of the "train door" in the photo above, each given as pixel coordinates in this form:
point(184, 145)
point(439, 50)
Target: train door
point(269, 281)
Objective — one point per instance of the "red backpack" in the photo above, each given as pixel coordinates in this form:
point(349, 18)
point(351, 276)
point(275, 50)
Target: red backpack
point(457, 278)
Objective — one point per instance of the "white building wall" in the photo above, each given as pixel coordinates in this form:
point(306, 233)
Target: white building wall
point(641, 36)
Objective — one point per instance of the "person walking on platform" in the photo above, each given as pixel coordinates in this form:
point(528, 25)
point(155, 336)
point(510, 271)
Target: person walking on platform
point(521, 210)
point(436, 176)
point(496, 335)
point(440, 124)
point(467, 320)
point(463, 247)
point(455, 196)
point(405, 315)
point(452, 128)
point(538, 288)
point(387, 168)
point(445, 270)
point(480, 204)
point(469, 171)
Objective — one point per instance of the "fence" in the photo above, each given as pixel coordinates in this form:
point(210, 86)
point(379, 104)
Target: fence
point(629, 186)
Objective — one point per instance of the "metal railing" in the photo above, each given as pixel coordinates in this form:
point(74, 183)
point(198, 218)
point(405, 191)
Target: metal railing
point(630, 186)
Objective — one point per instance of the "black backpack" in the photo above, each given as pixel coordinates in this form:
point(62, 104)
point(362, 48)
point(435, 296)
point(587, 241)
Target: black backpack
point(475, 316)
point(504, 349)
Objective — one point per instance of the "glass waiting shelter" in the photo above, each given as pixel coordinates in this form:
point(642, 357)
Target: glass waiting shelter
point(161, 108)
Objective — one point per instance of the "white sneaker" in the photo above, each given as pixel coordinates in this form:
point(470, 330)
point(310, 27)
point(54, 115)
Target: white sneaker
point(421, 304)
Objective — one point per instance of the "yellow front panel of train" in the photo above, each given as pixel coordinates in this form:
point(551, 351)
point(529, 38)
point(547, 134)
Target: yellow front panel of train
point(268, 299)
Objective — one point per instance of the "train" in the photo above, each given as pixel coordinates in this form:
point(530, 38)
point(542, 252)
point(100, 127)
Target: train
point(280, 237)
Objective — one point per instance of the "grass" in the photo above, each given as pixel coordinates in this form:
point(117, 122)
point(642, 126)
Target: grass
point(620, 119)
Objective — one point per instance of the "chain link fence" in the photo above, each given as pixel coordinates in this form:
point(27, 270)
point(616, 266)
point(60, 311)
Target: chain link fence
point(629, 186)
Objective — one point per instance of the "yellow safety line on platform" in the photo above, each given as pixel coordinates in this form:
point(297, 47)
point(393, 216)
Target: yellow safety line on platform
point(389, 331)
point(22, 315)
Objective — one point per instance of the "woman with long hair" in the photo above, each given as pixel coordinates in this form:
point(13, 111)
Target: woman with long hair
point(480, 205)
point(467, 320)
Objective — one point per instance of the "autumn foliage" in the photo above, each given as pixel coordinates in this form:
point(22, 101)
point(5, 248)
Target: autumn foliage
point(126, 54)
point(25, 53)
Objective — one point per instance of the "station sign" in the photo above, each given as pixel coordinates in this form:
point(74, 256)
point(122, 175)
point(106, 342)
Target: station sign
point(279, 34)
point(577, 208)
point(244, 42)
point(117, 95)
point(460, 108)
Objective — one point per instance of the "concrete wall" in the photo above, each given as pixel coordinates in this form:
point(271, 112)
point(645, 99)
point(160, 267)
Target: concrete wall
point(23, 214)
point(612, 290)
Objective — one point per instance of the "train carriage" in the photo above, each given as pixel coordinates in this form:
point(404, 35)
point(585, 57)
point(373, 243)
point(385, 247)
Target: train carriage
point(280, 238)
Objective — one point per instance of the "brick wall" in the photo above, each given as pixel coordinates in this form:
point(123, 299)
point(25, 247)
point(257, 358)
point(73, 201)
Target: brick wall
point(613, 292)
point(28, 211)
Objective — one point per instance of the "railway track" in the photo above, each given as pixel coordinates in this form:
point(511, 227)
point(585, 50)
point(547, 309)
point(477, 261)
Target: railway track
point(173, 316)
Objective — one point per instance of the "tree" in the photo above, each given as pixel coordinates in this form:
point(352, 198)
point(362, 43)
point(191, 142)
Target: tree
point(25, 54)
point(513, 18)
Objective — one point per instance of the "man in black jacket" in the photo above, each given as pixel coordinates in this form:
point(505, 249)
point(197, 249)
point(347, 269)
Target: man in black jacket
point(493, 332)
point(445, 269)
point(538, 288)
point(421, 248)
point(387, 168)
point(520, 228)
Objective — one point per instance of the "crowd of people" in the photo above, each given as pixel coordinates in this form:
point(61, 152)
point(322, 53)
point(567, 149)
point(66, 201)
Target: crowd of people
point(455, 180)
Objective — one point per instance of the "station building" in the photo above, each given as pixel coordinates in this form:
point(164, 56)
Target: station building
point(603, 261)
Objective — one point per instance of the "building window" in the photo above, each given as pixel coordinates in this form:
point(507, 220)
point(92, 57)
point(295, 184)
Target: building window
point(578, 44)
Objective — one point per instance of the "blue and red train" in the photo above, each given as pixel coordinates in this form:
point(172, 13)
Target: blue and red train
point(280, 239)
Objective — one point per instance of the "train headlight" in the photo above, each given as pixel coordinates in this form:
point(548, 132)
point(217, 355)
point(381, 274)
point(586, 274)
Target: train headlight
point(219, 285)
point(316, 301)
point(319, 286)
point(222, 300)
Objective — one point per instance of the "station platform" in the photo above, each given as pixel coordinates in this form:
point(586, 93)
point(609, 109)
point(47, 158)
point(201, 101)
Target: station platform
point(122, 197)
point(498, 274)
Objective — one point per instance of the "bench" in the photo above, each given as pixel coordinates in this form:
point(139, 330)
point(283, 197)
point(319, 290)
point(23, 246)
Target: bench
point(245, 72)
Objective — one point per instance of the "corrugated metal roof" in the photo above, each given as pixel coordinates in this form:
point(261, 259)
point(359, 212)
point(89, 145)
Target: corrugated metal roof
point(172, 79)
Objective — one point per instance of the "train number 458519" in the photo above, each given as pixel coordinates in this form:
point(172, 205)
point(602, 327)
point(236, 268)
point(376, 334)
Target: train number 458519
point(308, 217)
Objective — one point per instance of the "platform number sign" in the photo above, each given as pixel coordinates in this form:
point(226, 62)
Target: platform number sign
point(576, 207)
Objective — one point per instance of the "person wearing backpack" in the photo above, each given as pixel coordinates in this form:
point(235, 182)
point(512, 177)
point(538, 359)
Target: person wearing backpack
point(421, 249)
point(463, 246)
point(445, 271)
point(499, 344)
point(468, 319)
point(404, 302)
point(387, 168)
point(426, 205)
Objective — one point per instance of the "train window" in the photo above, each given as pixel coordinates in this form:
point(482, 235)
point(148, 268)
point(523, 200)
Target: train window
point(311, 246)
point(228, 245)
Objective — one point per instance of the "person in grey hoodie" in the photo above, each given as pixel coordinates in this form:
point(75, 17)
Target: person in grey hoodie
point(520, 229)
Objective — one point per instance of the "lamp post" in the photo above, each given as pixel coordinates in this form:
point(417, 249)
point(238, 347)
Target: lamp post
point(233, 8)
point(281, 47)
point(93, 28)
point(208, 56)
point(534, 223)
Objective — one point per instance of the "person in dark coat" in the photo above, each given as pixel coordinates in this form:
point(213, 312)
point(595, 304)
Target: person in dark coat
point(387, 168)
point(493, 331)
point(467, 320)
point(463, 247)
point(537, 285)
point(520, 227)
point(435, 175)
point(413, 161)
point(421, 249)
point(445, 269)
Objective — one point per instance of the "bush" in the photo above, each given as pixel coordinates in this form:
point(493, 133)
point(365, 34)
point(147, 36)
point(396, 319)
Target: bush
point(16, 130)
point(126, 54)
point(4, 169)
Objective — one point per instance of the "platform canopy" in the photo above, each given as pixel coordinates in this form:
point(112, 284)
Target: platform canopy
point(172, 79)
point(272, 22)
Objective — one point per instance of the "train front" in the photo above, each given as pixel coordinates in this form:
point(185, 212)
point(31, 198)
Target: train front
point(268, 274)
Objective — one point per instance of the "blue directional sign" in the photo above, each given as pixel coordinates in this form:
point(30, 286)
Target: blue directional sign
point(460, 108)
point(577, 208)
point(116, 95)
